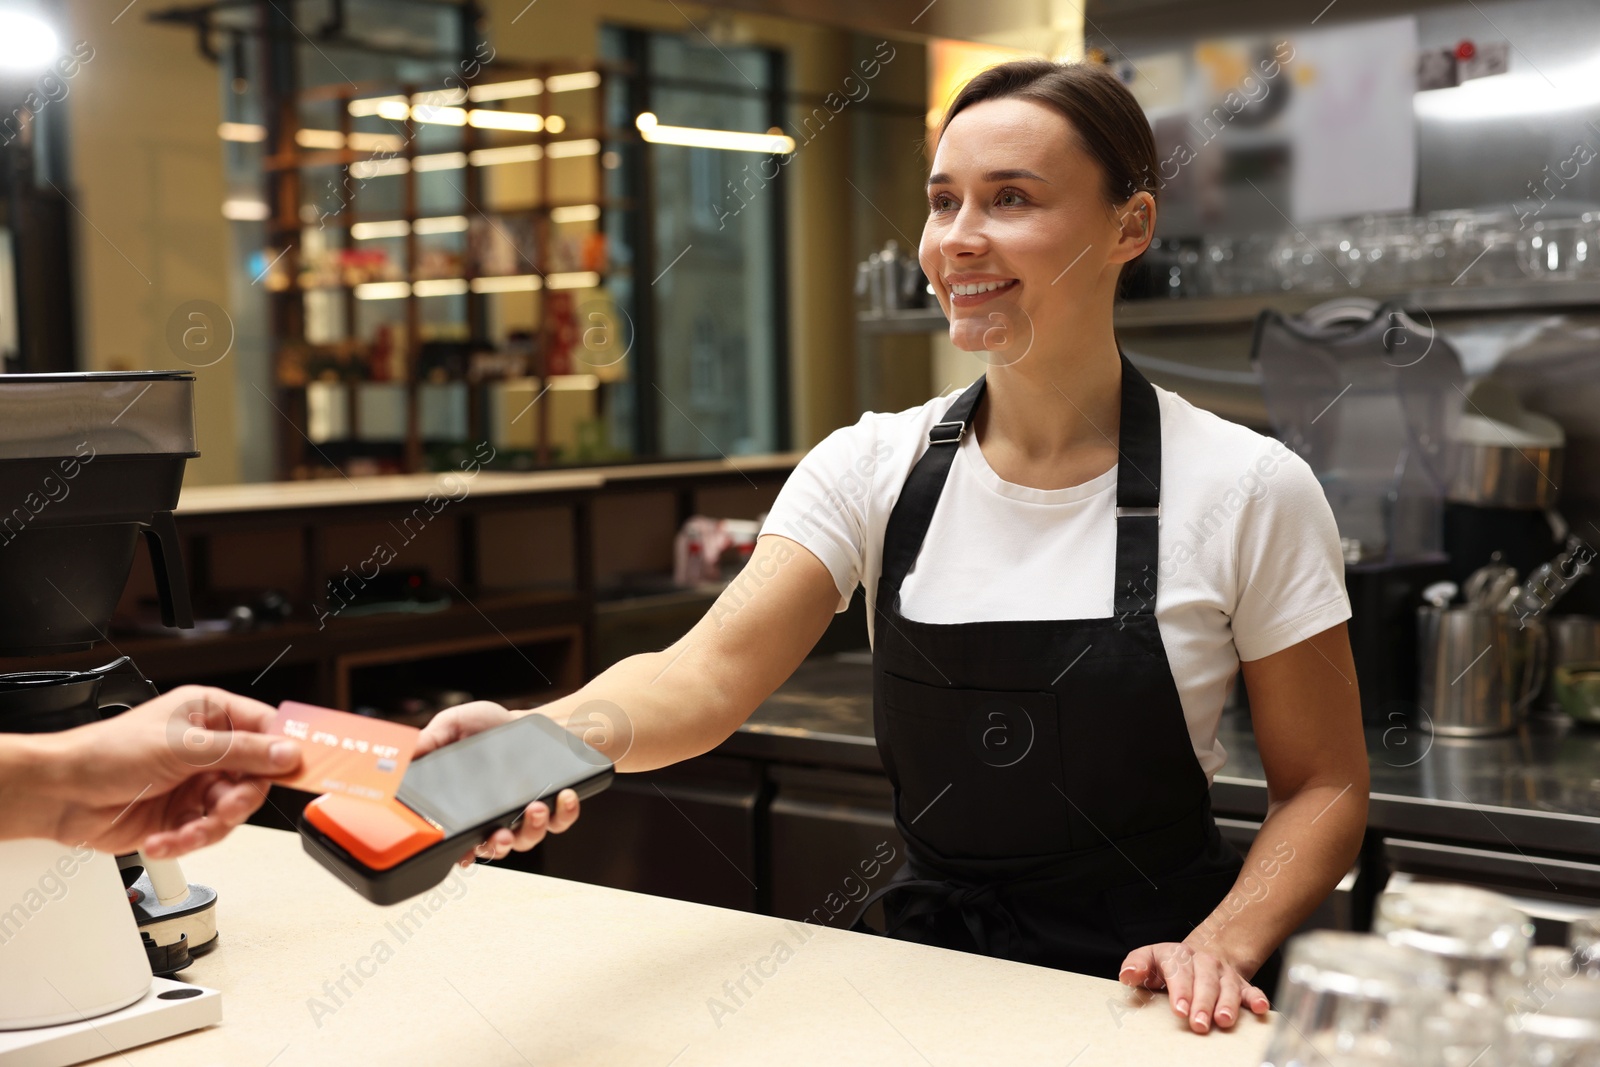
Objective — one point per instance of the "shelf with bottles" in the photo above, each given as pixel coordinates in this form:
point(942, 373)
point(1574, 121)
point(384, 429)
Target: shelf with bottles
point(411, 221)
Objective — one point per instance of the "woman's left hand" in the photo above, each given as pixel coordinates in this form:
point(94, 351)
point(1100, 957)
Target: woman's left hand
point(1201, 984)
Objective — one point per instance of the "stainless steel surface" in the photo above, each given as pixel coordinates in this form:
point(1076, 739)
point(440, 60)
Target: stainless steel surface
point(1573, 639)
point(1479, 669)
point(1504, 476)
point(136, 413)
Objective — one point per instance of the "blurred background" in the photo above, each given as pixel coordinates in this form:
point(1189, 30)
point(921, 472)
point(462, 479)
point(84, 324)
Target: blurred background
point(378, 229)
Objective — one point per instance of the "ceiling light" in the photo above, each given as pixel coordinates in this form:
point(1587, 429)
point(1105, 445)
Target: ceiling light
point(441, 161)
point(440, 287)
point(243, 209)
point(378, 168)
point(383, 290)
point(439, 116)
point(308, 138)
point(575, 213)
point(505, 90)
point(505, 120)
point(507, 283)
point(563, 83)
point(440, 224)
point(555, 124)
point(729, 140)
point(582, 279)
point(373, 105)
point(562, 149)
point(517, 153)
point(26, 43)
point(372, 231)
point(244, 132)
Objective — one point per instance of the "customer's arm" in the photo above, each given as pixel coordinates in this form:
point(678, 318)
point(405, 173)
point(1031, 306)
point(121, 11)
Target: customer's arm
point(662, 707)
point(169, 776)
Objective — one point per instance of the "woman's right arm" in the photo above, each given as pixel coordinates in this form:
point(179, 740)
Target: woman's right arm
point(658, 708)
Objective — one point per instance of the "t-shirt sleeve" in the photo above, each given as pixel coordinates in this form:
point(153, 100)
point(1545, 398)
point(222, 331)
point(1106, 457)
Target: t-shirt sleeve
point(824, 504)
point(1290, 570)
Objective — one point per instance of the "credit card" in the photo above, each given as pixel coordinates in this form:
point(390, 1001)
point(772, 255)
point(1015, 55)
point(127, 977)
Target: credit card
point(356, 755)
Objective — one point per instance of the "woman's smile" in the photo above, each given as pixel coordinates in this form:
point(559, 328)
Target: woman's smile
point(970, 290)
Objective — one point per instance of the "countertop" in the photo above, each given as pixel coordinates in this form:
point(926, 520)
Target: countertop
point(1536, 788)
point(390, 488)
point(501, 967)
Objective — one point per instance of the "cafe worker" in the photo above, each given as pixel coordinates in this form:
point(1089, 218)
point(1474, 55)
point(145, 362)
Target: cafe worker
point(1065, 570)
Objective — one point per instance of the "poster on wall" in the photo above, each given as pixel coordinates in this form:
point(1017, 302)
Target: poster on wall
point(1352, 133)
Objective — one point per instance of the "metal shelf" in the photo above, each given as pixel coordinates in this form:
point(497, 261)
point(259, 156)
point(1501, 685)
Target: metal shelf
point(1243, 309)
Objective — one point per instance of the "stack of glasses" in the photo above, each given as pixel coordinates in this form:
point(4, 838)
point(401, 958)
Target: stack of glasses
point(1450, 978)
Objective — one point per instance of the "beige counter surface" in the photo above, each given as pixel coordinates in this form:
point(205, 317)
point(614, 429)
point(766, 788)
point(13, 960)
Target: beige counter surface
point(499, 967)
point(390, 488)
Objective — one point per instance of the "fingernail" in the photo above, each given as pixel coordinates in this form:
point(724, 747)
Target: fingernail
point(1182, 1005)
point(1224, 1018)
point(283, 753)
point(540, 815)
point(1125, 970)
point(1201, 1020)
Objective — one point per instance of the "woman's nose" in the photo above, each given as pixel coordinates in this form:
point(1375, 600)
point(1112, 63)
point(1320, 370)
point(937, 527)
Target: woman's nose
point(965, 234)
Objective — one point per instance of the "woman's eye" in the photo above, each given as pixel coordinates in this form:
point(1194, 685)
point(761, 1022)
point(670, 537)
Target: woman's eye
point(941, 202)
point(1012, 198)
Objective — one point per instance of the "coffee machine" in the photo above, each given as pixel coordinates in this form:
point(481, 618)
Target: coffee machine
point(90, 463)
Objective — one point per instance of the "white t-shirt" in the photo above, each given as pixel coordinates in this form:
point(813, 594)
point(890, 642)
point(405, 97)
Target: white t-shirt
point(1249, 559)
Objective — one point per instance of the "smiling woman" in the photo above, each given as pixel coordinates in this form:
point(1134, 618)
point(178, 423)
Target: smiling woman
point(1046, 695)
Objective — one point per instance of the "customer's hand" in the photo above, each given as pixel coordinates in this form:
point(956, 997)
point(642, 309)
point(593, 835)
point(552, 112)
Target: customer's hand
point(464, 720)
point(1201, 985)
point(169, 776)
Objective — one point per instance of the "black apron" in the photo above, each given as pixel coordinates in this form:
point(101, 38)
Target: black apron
point(1051, 803)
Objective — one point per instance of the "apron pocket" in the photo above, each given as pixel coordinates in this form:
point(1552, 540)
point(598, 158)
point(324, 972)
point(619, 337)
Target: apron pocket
point(979, 772)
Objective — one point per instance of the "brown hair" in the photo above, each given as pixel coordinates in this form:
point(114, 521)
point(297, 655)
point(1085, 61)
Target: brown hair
point(1110, 125)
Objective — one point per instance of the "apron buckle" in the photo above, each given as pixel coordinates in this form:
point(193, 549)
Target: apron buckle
point(947, 433)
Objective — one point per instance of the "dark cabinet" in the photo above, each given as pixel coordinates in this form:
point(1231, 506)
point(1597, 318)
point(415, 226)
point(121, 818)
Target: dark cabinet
point(689, 831)
point(833, 842)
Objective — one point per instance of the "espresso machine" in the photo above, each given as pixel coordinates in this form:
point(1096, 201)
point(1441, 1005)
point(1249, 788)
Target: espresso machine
point(90, 463)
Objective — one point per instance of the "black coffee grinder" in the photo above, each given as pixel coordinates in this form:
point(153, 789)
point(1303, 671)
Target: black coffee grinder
point(89, 464)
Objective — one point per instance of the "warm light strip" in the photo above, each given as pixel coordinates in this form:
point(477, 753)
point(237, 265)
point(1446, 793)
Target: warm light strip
point(244, 132)
point(565, 83)
point(382, 290)
point(574, 382)
point(728, 140)
point(309, 138)
point(376, 142)
point(582, 279)
point(440, 224)
point(575, 213)
point(441, 161)
point(505, 90)
point(439, 98)
point(379, 168)
point(517, 153)
point(507, 283)
point(373, 231)
point(563, 149)
point(522, 121)
point(440, 116)
point(368, 106)
point(242, 210)
point(440, 287)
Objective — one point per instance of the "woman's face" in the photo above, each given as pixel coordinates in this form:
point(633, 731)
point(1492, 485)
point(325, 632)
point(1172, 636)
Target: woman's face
point(1019, 237)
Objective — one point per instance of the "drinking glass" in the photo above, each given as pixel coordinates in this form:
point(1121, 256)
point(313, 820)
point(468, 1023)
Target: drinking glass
point(1354, 1000)
point(1482, 941)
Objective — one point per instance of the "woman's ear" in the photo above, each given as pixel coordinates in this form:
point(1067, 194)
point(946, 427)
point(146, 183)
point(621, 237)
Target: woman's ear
point(1136, 224)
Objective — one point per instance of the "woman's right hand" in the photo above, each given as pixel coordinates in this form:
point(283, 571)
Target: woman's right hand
point(464, 720)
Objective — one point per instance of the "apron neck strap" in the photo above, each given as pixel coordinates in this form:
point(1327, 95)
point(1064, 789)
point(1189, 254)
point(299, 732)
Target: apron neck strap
point(1138, 494)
